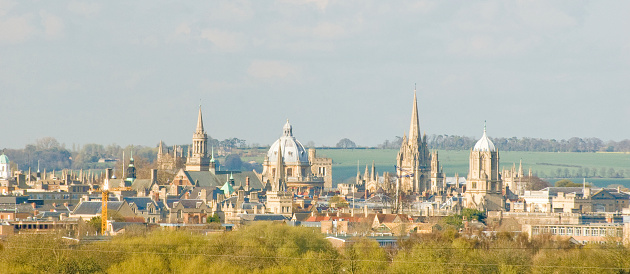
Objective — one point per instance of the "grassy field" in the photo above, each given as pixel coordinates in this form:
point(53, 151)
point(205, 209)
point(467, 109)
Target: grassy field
point(544, 164)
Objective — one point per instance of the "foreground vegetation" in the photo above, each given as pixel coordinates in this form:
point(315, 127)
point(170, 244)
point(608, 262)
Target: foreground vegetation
point(276, 248)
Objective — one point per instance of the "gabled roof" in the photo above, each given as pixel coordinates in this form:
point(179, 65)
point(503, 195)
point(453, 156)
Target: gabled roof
point(190, 203)
point(227, 189)
point(141, 184)
point(207, 179)
point(301, 216)
point(140, 202)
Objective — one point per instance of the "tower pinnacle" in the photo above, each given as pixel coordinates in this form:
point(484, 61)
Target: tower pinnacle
point(199, 123)
point(414, 128)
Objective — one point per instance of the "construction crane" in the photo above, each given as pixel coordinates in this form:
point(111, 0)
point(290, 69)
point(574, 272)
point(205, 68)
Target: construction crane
point(105, 198)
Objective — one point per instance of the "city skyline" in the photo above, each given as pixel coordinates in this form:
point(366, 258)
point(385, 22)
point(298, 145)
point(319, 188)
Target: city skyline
point(134, 73)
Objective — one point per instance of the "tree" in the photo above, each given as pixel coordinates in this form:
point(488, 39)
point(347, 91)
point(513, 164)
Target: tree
point(535, 183)
point(213, 219)
point(338, 201)
point(346, 143)
point(568, 183)
point(233, 162)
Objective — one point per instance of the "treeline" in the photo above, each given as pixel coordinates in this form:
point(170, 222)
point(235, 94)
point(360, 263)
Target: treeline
point(276, 248)
point(52, 155)
point(575, 144)
point(49, 154)
point(584, 172)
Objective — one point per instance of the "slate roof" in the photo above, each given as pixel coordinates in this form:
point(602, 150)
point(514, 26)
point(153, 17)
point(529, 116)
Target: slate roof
point(13, 199)
point(50, 214)
point(207, 179)
point(93, 208)
point(263, 217)
point(301, 216)
point(140, 202)
point(57, 208)
point(252, 205)
point(141, 184)
point(190, 203)
point(211, 192)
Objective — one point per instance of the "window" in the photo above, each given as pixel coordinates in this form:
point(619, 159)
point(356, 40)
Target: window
point(289, 172)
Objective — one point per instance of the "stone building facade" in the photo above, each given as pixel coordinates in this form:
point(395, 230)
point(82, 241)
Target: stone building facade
point(413, 162)
point(287, 165)
point(484, 187)
point(198, 156)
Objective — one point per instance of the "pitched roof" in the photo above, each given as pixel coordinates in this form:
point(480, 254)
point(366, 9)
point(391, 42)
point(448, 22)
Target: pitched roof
point(140, 202)
point(207, 179)
point(94, 207)
point(190, 203)
point(141, 184)
point(263, 217)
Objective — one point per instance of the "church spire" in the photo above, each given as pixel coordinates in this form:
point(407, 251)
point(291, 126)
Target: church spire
point(199, 122)
point(414, 128)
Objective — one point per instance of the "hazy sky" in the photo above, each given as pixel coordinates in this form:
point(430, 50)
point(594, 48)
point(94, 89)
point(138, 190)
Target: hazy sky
point(134, 72)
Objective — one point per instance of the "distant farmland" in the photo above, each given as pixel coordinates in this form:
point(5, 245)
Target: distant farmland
point(602, 169)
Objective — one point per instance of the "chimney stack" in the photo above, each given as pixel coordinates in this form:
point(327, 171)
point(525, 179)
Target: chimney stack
point(108, 173)
point(154, 175)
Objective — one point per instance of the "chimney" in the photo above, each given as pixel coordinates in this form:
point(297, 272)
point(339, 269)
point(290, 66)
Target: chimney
point(153, 175)
point(108, 173)
point(203, 193)
point(187, 195)
point(247, 183)
point(365, 211)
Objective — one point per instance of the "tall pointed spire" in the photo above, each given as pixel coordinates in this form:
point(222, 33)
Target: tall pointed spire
point(279, 180)
point(414, 128)
point(373, 172)
point(199, 122)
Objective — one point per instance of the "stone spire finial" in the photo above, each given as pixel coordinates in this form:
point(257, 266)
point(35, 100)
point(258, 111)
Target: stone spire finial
point(288, 129)
point(414, 127)
point(199, 122)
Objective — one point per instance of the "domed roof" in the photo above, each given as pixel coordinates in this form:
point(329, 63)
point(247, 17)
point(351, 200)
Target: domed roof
point(484, 144)
point(292, 150)
point(4, 159)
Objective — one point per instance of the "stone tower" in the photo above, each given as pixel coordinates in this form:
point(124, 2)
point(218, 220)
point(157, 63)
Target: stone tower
point(198, 152)
point(484, 187)
point(413, 162)
point(438, 184)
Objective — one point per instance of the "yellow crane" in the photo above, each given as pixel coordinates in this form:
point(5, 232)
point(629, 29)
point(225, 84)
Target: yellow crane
point(105, 199)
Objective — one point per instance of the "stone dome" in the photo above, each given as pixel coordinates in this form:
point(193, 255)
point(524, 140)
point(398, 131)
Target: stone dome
point(484, 144)
point(292, 150)
point(4, 159)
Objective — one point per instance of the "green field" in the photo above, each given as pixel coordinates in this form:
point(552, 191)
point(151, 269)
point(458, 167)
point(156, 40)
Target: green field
point(544, 164)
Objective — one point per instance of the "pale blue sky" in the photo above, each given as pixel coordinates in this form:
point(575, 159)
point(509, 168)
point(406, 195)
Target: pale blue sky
point(133, 72)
